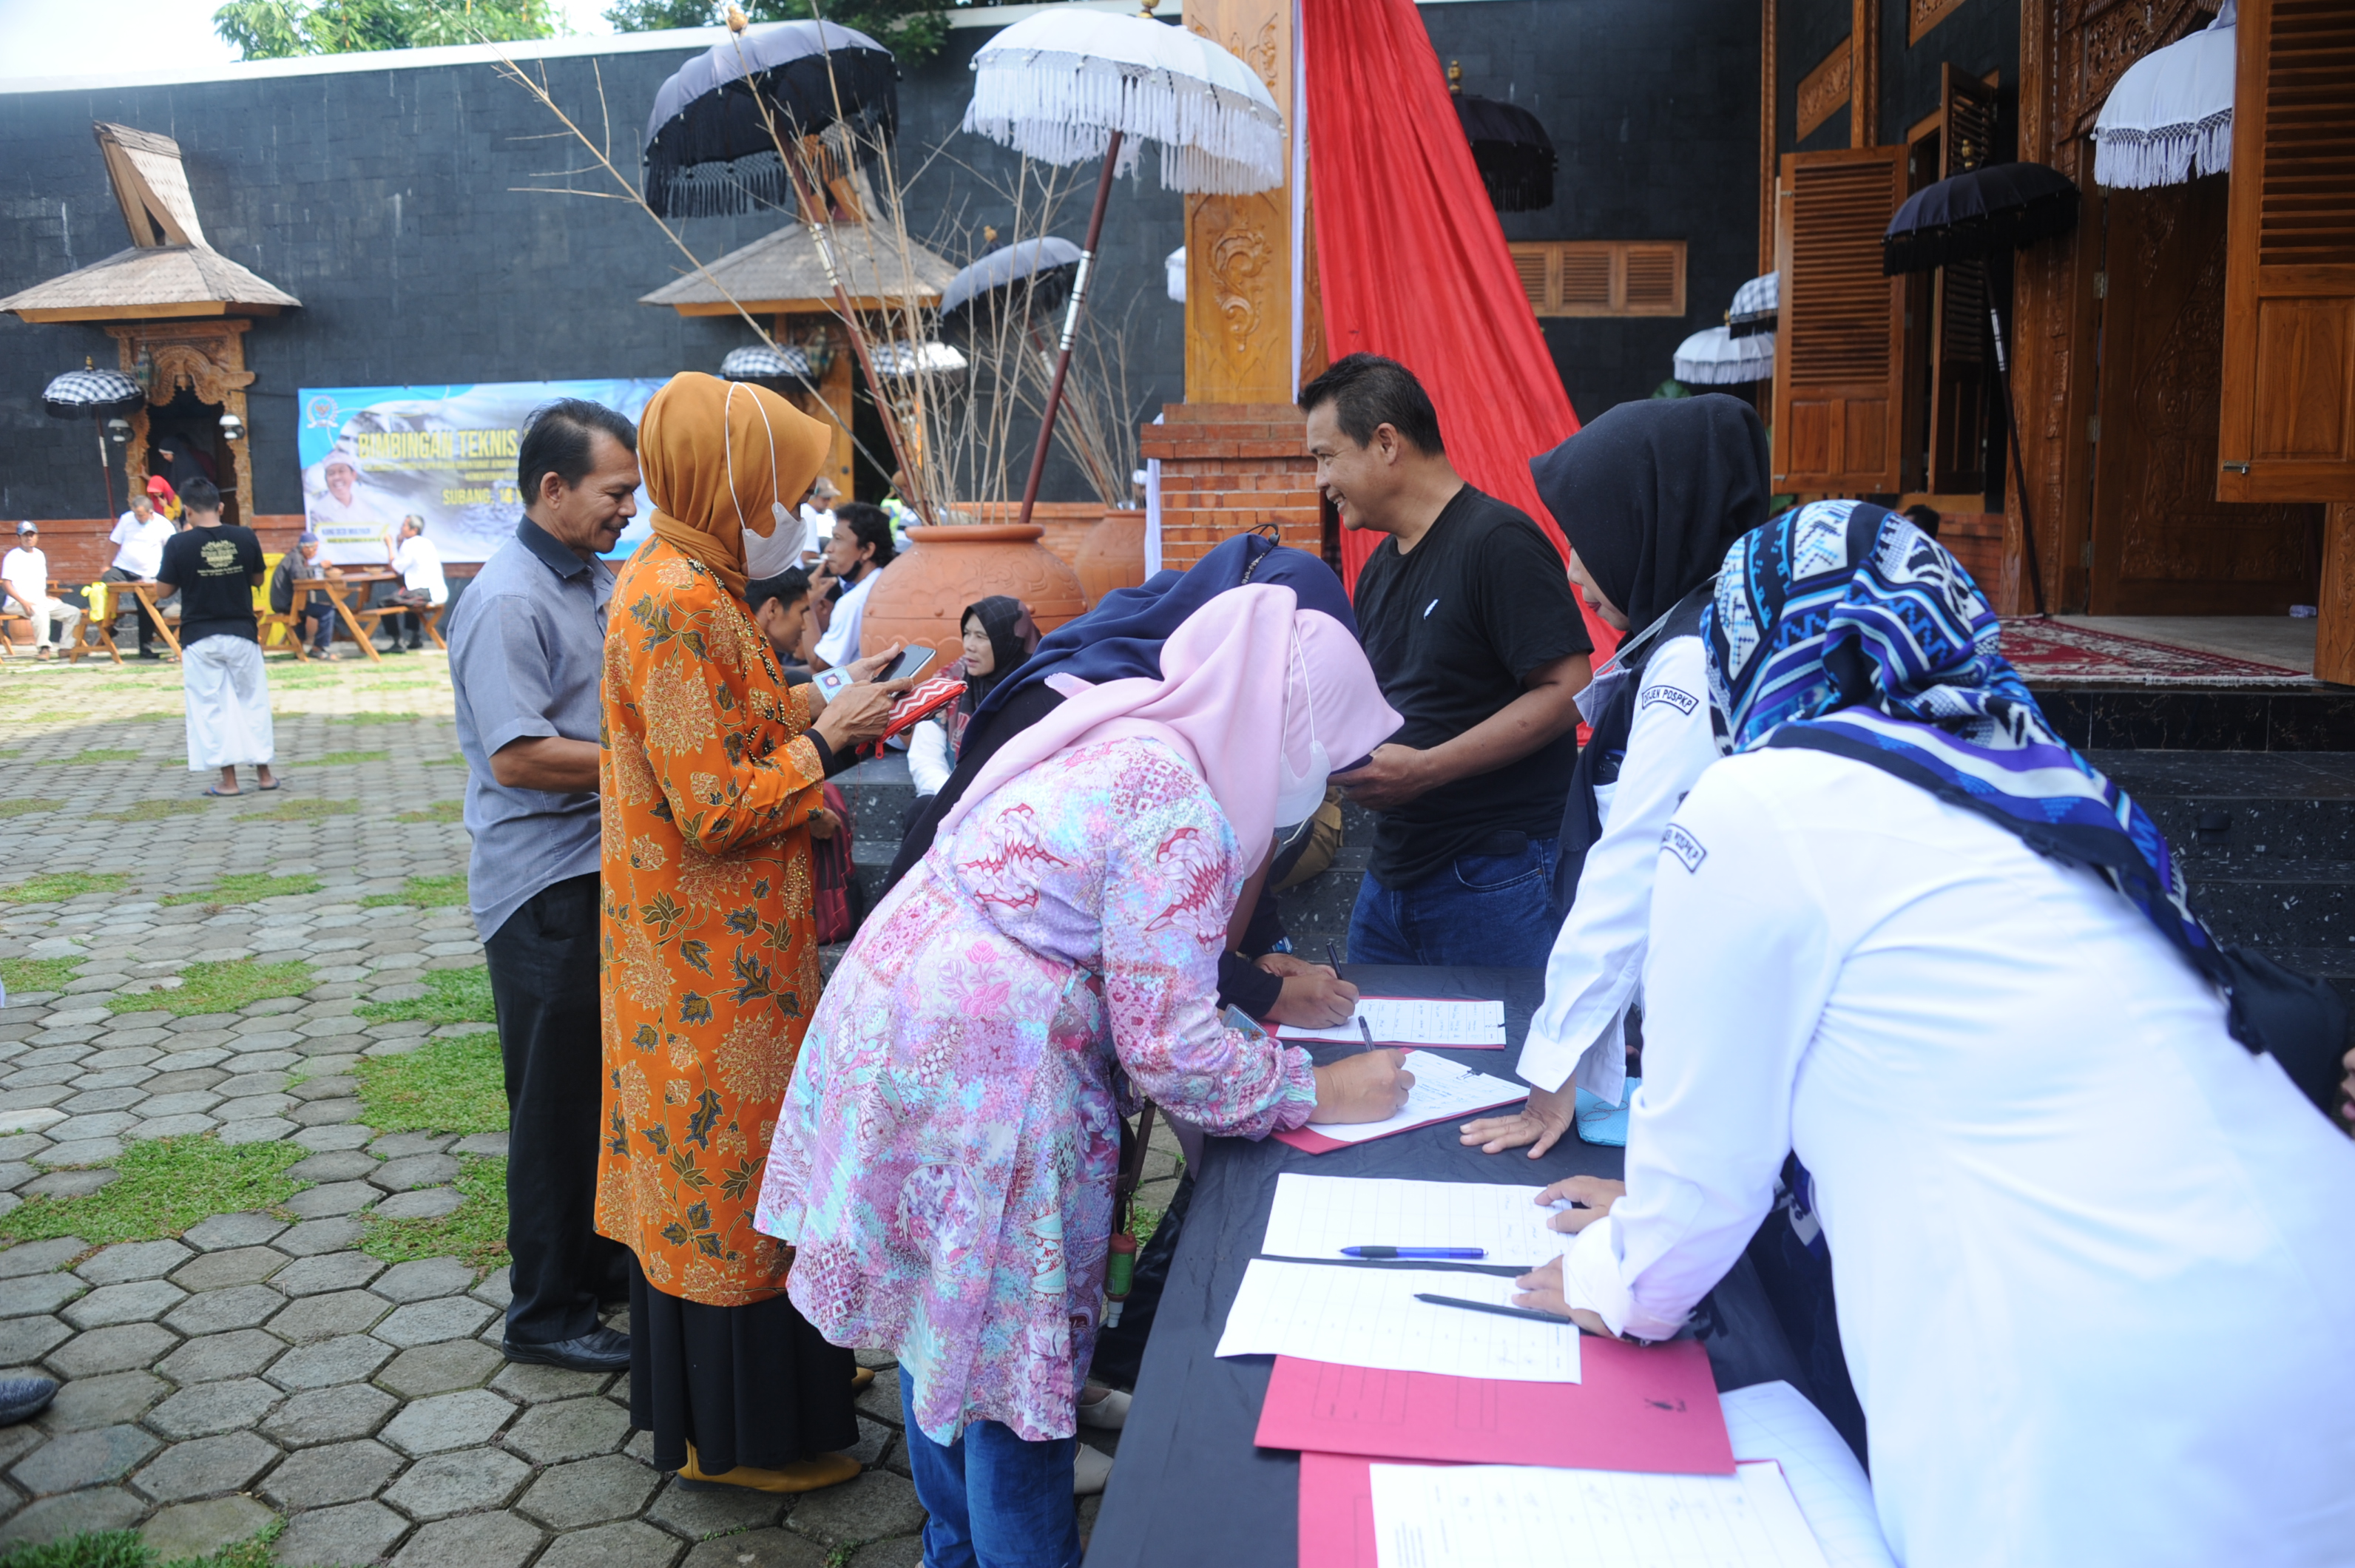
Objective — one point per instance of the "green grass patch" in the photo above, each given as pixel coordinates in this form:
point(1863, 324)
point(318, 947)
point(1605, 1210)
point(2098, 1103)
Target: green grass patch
point(453, 1086)
point(155, 714)
point(374, 718)
point(247, 887)
point(452, 997)
point(151, 811)
point(55, 887)
point(39, 973)
point(303, 810)
point(162, 1186)
point(107, 754)
point(339, 758)
point(457, 762)
point(221, 985)
point(424, 893)
point(128, 1549)
point(474, 1233)
point(1142, 1222)
point(25, 805)
point(439, 811)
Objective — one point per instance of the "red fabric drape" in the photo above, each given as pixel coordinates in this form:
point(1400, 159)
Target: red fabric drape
point(1411, 258)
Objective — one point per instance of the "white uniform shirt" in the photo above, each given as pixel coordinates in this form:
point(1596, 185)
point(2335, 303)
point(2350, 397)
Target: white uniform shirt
point(2092, 1257)
point(1579, 1031)
point(840, 643)
point(928, 762)
point(420, 565)
point(817, 527)
point(26, 574)
point(139, 547)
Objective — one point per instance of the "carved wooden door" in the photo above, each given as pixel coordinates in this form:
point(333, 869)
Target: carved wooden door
point(2163, 543)
point(2288, 413)
point(1839, 355)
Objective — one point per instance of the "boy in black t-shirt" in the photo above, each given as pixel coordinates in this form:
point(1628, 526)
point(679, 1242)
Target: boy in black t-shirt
point(216, 566)
point(1466, 614)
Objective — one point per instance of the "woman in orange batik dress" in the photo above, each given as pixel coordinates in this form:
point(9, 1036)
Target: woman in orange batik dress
point(711, 776)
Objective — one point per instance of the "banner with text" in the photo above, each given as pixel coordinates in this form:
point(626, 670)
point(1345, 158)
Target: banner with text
point(373, 456)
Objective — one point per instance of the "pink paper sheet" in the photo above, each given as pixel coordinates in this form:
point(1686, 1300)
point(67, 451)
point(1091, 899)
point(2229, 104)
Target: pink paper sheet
point(1337, 1512)
point(1635, 1409)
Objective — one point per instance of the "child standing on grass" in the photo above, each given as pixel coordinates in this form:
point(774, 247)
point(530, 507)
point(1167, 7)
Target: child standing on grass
point(216, 566)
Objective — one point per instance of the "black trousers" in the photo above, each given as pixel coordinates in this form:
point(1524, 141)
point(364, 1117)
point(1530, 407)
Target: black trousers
point(146, 621)
point(543, 965)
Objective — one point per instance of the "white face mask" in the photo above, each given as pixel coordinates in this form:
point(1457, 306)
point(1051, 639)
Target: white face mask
point(1298, 795)
point(783, 547)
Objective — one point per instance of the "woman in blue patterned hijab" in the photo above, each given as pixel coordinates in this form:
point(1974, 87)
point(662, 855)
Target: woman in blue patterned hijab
point(1843, 627)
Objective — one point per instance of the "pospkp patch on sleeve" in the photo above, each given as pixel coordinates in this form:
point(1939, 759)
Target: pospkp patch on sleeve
point(1675, 697)
point(1684, 847)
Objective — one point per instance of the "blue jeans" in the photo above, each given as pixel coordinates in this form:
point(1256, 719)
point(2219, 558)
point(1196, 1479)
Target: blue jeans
point(996, 1501)
point(1485, 910)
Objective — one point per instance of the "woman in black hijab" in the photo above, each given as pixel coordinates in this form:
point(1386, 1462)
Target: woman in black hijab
point(1650, 496)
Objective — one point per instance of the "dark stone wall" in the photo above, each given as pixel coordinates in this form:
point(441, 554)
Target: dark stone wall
point(384, 200)
point(1654, 109)
point(1804, 32)
point(1978, 36)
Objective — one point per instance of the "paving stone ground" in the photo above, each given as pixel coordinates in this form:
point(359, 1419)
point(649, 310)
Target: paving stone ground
point(260, 1364)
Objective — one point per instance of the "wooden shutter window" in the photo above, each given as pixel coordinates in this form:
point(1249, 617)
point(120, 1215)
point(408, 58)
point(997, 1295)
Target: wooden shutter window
point(1838, 362)
point(1958, 376)
point(2287, 422)
point(1601, 277)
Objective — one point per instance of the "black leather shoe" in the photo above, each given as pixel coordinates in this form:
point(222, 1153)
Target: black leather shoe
point(21, 1399)
point(598, 1350)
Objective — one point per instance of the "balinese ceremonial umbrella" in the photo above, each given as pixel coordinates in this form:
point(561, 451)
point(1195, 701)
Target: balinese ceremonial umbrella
point(1756, 305)
point(759, 362)
point(717, 141)
point(1028, 275)
point(1715, 358)
point(1512, 150)
point(1064, 84)
point(98, 395)
point(2170, 118)
point(1969, 217)
point(915, 358)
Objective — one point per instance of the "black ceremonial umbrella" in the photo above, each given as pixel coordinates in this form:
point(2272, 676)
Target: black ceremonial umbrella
point(100, 394)
point(1029, 275)
point(710, 151)
point(1514, 155)
point(2004, 207)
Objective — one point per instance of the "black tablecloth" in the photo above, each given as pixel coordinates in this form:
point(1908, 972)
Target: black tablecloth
point(1189, 1487)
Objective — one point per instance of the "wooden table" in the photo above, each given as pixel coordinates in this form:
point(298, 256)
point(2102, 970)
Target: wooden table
point(40, 634)
point(338, 591)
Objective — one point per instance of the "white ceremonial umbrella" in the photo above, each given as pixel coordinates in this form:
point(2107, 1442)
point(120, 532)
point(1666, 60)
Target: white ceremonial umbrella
point(759, 362)
point(908, 359)
point(2169, 119)
point(1718, 358)
point(1064, 84)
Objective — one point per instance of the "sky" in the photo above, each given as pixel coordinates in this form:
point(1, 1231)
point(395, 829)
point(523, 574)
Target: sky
point(109, 38)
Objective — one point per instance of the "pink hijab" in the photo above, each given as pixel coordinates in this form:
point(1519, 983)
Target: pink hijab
point(1246, 667)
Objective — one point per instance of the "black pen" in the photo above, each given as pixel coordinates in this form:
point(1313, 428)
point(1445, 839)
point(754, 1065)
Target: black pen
point(1334, 953)
point(1491, 1307)
point(1366, 1030)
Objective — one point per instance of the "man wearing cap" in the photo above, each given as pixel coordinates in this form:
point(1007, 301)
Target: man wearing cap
point(350, 525)
point(25, 572)
point(319, 614)
point(138, 538)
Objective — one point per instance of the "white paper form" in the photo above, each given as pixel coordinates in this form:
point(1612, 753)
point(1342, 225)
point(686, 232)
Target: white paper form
point(1414, 1020)
point(1444, 1515)
point(1774, 1421)
point(1317, 1216)
point(1369, 1317)
point(1442, 1088)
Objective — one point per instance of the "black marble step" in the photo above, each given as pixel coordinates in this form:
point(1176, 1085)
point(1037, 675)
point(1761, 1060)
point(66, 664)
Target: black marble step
point(2251, 719)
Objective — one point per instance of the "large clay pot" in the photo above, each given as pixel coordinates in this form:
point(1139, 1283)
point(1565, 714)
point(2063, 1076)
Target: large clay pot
point(922, 595)
point(1112, 555)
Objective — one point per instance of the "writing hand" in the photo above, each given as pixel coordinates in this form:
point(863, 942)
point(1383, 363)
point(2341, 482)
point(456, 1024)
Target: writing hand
point(1371, 1086)
point(1314, 998)
point(1540, 1124)
point(1593, 1191)
point(1286, 963)
point(1392, 776)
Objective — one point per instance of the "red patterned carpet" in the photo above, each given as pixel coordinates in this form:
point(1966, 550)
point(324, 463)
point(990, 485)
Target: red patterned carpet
point(2050, 652)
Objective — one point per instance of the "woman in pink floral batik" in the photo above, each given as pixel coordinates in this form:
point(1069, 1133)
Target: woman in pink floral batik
point(945, 1159)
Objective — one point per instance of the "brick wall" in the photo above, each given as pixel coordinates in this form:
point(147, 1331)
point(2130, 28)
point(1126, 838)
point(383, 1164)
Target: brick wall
point(1229, 467)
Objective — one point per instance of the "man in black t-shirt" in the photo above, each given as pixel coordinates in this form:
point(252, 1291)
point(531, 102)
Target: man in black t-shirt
point(1467, 617)
point(216, 566)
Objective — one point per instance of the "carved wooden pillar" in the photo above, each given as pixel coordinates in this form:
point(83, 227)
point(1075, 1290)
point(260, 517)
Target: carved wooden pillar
point(2334, 644)
point(1768, 150)
point(1238, 248)
point(1864, 75)
point(834, 390)
point(209, 358)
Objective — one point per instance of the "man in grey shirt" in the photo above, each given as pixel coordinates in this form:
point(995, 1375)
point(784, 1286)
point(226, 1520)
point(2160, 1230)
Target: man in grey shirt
point(527, 657)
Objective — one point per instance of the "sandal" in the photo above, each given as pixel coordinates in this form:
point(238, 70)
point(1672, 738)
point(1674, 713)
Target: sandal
point(219, 794)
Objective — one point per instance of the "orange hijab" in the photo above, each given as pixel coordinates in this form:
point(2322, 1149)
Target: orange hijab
point(721, 457)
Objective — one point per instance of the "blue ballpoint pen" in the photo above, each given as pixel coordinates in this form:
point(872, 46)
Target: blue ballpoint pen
point(1453, 1253)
